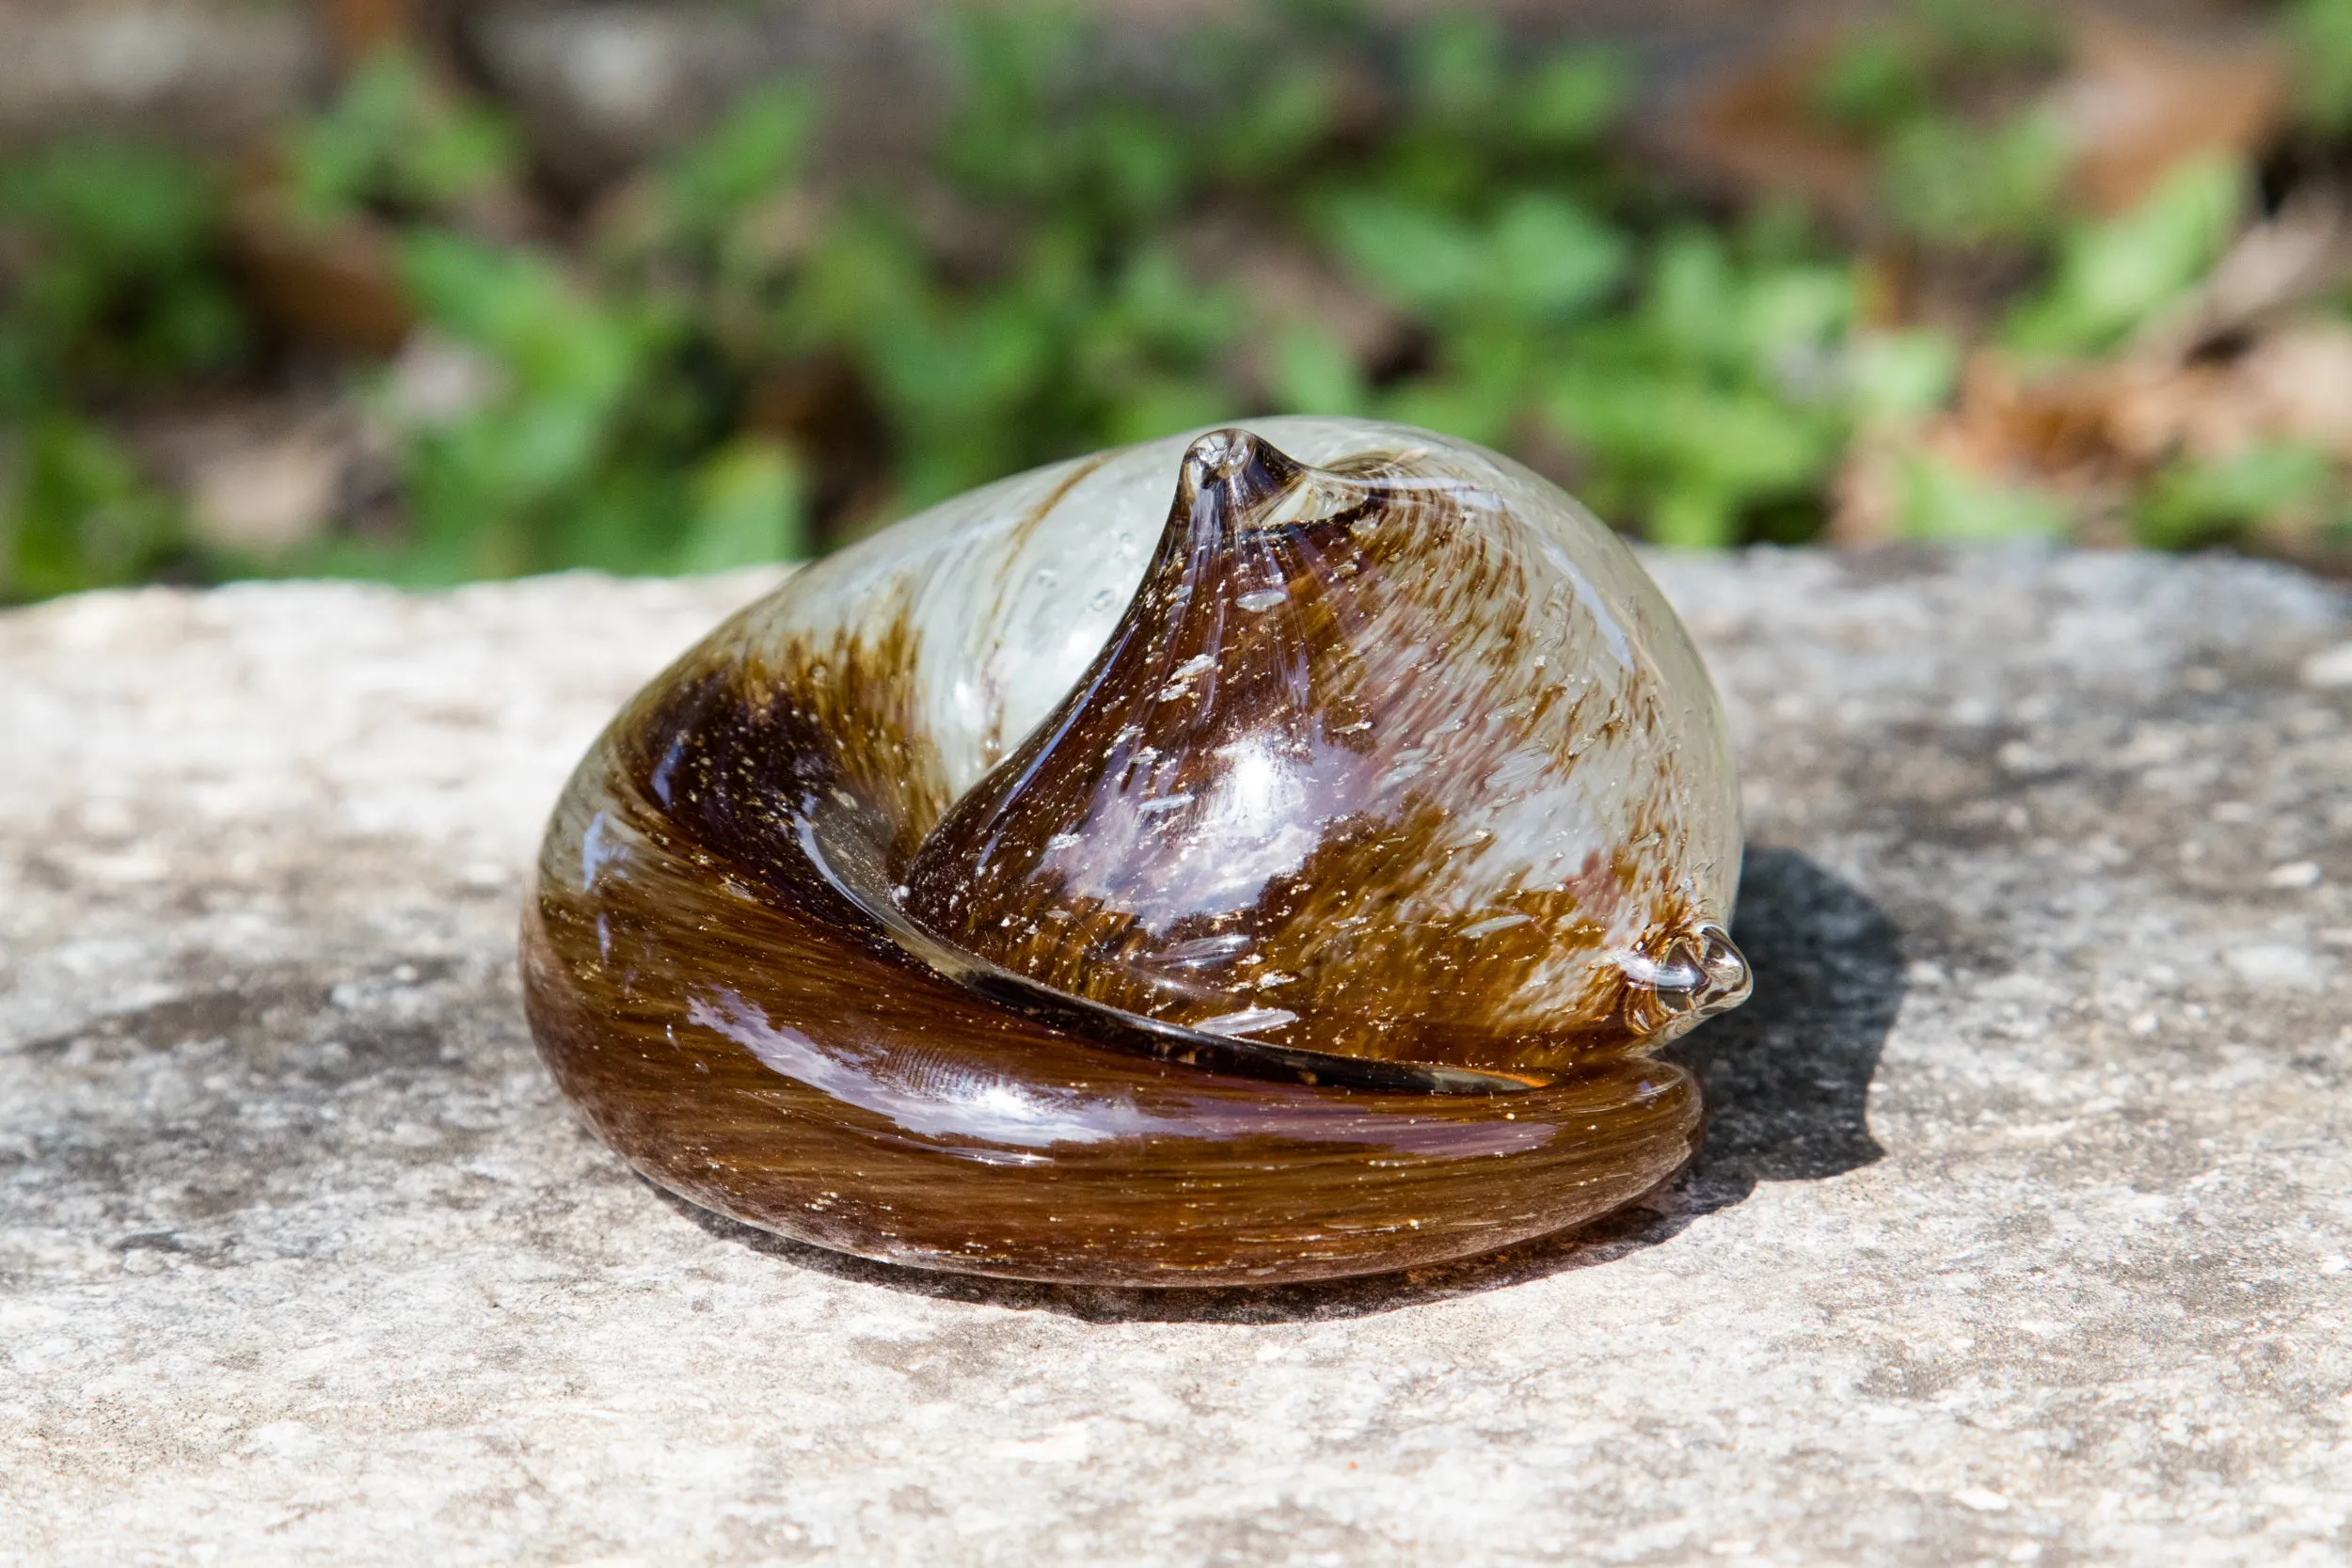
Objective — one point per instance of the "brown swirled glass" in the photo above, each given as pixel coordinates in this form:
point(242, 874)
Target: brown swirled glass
point(1290, 881)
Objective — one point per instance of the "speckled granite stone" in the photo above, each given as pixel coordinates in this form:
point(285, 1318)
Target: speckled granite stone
point(2022, 1232)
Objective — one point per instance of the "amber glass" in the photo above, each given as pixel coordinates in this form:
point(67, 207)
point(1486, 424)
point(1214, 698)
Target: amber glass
point(1290, 884)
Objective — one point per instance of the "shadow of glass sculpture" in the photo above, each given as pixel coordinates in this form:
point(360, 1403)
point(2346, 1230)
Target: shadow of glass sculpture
point(1787, 1075)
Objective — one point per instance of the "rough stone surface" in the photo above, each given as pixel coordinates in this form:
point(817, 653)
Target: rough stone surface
point(2020, 1235)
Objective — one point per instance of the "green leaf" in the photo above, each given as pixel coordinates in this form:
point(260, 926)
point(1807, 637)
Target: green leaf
point(1939, 500)
point(1875, 81)
point(2111, 276)
point(79, 513)
point(1547, 259)
point(110, 280)
point(865, 279)
point(1311, 371)
point(1692, 308)
point(749, 509)
point(1542, 259)
point(557, 340)
point(395, 135)
point(1422, 260)
point(1142, 161)
point(1951, 183)
point(1455, 65)
point(1693, 517)
point(1901, 374)
point(456, 156)
point(333, 160)
point(2202, 501)
point(1473, 410)
point(1005, 134)
point(1790, 313)
point(1572, 98)
point(2320, 32)
point(1733, 444)
point(1271, 124)
point(756, 146)
point(117, 204)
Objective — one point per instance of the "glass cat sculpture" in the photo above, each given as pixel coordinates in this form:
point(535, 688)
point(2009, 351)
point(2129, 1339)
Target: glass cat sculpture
point(1291, 881)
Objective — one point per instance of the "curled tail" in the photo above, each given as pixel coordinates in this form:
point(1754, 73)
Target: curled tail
point(761, 1049)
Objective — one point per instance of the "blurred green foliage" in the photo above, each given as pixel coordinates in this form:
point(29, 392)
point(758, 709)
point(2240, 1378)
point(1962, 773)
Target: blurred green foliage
point(2112, 275)
point(1081, 265)
point(2197, 503)
point(2320, 34)
point(1938, 500)
point(1912, 85)
point(110, 287)
point(80, 514)
point(393, 141)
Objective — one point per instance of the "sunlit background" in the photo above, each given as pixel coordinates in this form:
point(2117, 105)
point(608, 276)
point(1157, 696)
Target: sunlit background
point(428, 294)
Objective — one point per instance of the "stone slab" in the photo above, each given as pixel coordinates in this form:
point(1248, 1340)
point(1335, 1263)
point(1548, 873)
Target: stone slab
point(2022, 1232)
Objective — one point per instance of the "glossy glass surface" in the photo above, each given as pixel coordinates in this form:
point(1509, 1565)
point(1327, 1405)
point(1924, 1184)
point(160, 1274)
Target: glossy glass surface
point(1287, 881)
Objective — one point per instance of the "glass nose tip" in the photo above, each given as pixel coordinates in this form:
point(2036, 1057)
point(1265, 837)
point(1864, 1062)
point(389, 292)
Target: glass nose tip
point(1728, 980)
